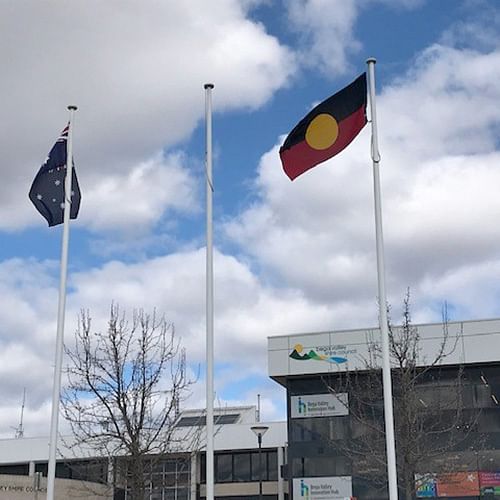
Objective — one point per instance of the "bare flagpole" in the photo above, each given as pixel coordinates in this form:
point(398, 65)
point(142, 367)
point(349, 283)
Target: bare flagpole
point(383, 321)
point(209, 299)
point(56, 388)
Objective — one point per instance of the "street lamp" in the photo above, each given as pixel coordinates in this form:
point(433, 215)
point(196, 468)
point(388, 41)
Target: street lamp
point(259, 431)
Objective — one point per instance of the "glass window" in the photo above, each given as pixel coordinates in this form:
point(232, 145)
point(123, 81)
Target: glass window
point(256, 470)
point(183, 478)
point(42, 467)
point(169, 494)
point(169, 480)
point(272, 464)
point(182, 494)
point(170, 465)
point(203, 468)
point(319, 467)
point(482, 396)
point(241, 464)
point(489, 421)
point(63, 471)
point(325, 466)
point(320, 429)
point(157, 466)
point(157, 481)
point(16, 470)
point(227, 419)
point(298, 467)
point(223, 468)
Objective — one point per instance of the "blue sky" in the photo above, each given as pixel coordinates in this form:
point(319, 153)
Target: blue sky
point(290, 257)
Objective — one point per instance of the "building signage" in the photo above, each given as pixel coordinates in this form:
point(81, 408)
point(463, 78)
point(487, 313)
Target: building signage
point(458, 484)
point(324, 488)
point(489, 483)
point(319, 405)
point(426, 485)
point(19, 488)
point(463, 484)
point(335, 354)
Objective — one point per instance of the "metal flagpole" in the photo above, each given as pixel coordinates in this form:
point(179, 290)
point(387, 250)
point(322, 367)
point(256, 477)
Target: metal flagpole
point(209, 299)
point(56, 389)
point(383, 322)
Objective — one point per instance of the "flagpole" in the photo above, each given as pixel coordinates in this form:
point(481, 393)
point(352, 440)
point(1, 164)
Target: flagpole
point(383, 321)
point(56, 388)
point(209, 300)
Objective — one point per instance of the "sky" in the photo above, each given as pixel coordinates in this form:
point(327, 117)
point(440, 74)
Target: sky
point(289, 256)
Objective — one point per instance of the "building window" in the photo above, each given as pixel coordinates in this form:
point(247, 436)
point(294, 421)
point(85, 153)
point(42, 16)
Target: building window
point(272, 466)
point(242, 466)
point(15, 470)
point(224, 468)
point(168, 479)
point(324, 429)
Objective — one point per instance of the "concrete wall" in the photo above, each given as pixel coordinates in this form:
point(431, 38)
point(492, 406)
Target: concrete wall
point(23, 488)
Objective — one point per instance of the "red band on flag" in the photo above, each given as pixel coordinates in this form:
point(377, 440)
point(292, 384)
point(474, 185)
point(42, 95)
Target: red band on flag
point(301, 157)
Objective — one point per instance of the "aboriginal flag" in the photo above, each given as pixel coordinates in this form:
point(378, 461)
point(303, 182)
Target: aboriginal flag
point(326, 130)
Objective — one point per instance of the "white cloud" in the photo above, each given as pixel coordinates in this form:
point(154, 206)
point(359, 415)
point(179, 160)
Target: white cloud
point(438, 130)
point(326, 31)
point(247, 311)
point(471, 290)
point(137, 75)
point(139, 197)
point(307, 248)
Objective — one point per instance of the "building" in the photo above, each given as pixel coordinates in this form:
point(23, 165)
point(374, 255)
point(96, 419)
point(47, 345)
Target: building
point(178, 476)
point(307, 457)
point(318, 371)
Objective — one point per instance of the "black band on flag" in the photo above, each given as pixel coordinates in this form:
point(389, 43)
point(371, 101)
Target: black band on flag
point(326, 130)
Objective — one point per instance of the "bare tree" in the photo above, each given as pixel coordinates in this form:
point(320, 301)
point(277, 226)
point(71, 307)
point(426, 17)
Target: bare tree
point(125, 387)
point(431, 419)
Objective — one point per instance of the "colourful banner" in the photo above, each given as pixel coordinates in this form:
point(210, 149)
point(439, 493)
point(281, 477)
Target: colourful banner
point(458, 484)
point(426, 485)
point(490, 483)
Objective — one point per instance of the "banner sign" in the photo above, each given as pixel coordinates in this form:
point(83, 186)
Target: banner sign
point(490, 483)
point(319, 405)
point(322, 488)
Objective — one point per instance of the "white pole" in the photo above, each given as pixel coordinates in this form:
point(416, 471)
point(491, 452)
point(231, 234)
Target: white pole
point(209, 299)
point(384, 330)
point(56, 389)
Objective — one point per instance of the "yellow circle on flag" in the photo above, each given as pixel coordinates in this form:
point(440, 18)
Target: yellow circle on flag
point(322, 132)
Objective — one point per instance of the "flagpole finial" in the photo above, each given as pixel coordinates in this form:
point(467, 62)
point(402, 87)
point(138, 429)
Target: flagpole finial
point(72, 107)
point(208, 86)
point(371, 60)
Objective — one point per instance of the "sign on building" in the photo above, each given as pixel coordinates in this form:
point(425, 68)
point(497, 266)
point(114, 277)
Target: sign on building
point(325, 488)
point(319, 405)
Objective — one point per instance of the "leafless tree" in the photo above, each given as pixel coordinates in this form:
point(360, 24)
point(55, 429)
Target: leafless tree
point(125, 387)
point(431, 419)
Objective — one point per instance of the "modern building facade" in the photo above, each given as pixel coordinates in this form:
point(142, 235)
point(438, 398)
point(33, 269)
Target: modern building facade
point(332, 451)
point(179, 475)
point(311, 455)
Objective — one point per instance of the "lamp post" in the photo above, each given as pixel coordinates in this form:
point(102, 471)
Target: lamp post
point(259, 431)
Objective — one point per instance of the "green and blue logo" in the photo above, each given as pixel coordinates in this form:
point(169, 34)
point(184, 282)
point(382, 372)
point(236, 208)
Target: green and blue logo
point(300, 356)
point(301, 406)
point(304, 489)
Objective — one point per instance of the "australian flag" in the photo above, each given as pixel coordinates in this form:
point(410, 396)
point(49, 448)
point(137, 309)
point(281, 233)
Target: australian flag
point(47, 190)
